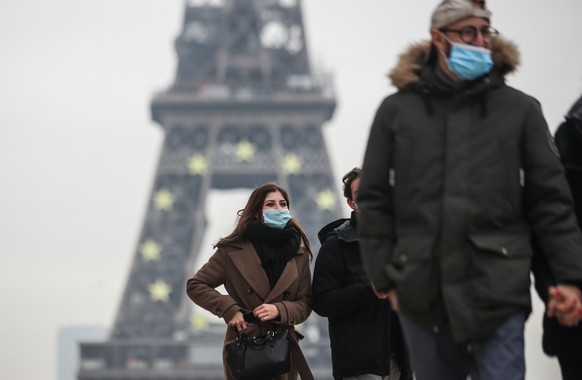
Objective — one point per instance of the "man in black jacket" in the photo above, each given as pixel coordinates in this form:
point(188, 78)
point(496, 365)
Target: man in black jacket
point(563, 333)
point(366, 341)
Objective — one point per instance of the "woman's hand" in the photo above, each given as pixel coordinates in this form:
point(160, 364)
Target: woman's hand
point(238, 321)
point(266, 312)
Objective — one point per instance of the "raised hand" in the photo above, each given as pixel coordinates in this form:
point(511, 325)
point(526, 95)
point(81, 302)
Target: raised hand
point(266, 312)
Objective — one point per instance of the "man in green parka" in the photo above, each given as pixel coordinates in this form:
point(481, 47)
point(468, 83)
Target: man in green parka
point(459, 172)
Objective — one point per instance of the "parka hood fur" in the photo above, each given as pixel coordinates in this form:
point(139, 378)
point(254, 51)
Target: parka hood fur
point(505, 54)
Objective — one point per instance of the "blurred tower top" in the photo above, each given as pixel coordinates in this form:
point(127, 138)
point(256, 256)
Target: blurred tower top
point(255, 46)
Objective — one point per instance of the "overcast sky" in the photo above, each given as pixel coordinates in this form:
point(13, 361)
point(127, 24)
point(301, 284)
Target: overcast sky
point(78, 150)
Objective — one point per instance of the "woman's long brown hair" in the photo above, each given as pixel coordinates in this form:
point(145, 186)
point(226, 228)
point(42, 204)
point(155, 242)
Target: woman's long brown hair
point(253, 211)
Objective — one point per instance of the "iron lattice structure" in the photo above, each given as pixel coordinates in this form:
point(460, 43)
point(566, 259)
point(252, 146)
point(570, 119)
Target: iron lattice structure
point(245, 108)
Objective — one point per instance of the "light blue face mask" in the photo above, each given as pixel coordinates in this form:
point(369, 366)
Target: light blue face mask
point(276, 218)
point(469, 62)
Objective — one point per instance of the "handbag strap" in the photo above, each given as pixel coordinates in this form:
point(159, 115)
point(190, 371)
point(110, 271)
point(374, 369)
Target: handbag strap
point(299, 358)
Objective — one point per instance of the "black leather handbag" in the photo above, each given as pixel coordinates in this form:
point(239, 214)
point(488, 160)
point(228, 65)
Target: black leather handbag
point(263, 357)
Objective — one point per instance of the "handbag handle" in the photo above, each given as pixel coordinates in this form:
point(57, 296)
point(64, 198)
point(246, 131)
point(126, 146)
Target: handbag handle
point(258, 340)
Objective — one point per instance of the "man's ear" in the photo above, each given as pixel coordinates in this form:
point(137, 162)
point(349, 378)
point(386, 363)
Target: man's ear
point(438, 40)
point(352, 204)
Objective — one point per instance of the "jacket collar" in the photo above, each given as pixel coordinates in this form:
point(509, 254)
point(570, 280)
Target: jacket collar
point(344, 229)
point(411, 64)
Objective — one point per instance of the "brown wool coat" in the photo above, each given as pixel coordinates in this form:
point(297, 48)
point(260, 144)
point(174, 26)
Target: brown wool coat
point(238, 268)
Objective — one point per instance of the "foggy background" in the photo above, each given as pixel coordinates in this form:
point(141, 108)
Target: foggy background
point(78, 150)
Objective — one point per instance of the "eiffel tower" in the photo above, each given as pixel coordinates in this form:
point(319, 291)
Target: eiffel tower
point(244, 109)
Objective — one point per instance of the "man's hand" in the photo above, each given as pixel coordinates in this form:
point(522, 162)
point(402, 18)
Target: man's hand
point(390, 294)
point(379, 293)
point(393, 299)
point(565, 304)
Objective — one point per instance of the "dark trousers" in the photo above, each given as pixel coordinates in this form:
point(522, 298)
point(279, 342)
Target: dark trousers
point(436, 356)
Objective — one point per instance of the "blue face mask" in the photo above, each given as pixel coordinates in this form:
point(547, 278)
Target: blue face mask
point(276, 218)
point(469, 62)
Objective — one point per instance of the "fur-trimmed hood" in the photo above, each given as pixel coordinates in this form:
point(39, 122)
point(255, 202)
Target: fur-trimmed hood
point(505, 54)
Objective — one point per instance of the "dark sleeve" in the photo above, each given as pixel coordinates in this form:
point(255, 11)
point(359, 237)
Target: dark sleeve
point(332, 295)
point(201, 288)
point(543, 278)
point(569, 143)
point(568, 139)
point(549, 202)
point(375, 228)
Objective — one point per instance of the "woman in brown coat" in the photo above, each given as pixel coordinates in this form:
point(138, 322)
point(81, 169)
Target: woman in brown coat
point(264, 267)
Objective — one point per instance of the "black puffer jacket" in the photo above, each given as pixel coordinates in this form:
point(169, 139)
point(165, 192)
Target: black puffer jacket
point(559, 339)
point(362, 327)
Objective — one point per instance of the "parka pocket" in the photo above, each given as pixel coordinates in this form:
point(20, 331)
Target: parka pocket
point(413, 269)
point(509, 246)
point(501, 265)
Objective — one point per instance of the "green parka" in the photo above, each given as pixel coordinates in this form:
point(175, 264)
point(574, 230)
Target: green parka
point(455, 181)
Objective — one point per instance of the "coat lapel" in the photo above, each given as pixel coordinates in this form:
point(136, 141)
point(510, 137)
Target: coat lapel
point(289, 275)
point(248, 264)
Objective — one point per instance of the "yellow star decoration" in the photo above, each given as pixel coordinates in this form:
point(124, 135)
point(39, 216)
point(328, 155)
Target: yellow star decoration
point(164, 200)
point(245, 150)
point(160, 291)
point(325, 200)
point(197, 164)
point(199, 322)
point(150, 250)
point(291, 164)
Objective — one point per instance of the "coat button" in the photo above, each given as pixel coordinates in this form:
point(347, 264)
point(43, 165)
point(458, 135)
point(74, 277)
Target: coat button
point(504, 250)
point(403, 258)
point(435, 329)
point(250, 291)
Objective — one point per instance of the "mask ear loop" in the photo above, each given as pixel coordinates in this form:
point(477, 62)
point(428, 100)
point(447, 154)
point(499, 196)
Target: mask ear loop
point(444, 36)
point(446, 57)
